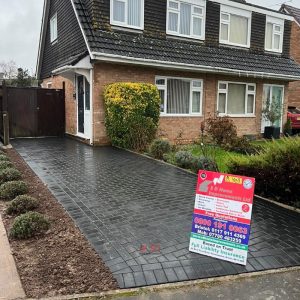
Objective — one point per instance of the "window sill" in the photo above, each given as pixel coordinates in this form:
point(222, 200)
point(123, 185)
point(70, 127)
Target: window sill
point(171, 35)
point(232, 45)
point(54, 42)
point(274, 52)
point(237, 116)
point(127, 28)
point(181, 115)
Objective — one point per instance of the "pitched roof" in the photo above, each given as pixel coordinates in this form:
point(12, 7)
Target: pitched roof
point(293, 11)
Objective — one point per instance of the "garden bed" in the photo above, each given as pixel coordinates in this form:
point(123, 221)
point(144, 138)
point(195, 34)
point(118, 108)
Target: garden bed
point(61, 261)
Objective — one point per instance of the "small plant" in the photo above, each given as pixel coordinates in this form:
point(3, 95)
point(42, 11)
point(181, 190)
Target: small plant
point(184, 159)
point(22, 204)
point(204, 163)
point(12, 189)
point(242, 145)
point(5, 164)
point(3, 157)
point(9, 174)
point(272, 111)
point(287, 130)
point(159, 147)
point(29, 225)
point(221, 129)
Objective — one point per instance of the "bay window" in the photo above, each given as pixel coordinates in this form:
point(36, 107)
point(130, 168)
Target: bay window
point(180, 96)
point(235, 26)
point(186, 18)
point(274, 34)
point(127, 13)
point(236, 98)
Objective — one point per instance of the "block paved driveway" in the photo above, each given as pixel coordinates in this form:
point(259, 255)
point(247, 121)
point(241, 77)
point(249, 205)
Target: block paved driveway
point(123, 202)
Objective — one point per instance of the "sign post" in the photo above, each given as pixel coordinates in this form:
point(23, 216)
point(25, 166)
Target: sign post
point(222, 216)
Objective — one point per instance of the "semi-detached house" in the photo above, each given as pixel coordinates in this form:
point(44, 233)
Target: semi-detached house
point(204, 57)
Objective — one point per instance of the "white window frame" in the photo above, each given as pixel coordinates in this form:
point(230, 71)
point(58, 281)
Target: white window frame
point(228, 10)
point(275, 22)
point(248, 92)
point(53, 28)
point(192, 89)
point(49, 85)
point(125, 24)
point(195, 3)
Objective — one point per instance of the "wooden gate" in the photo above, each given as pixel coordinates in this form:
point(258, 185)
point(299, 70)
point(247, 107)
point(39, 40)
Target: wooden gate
point(34, 112)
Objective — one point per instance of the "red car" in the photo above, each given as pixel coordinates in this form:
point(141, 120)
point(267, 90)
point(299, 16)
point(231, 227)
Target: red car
point(294, 116)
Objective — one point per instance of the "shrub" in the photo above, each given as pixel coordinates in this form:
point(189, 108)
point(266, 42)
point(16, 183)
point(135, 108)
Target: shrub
point(242, 145)
point(159, 147)
point(22, 204)
point(184, 159)
point(9, 174)
point(221, 129)
point(276, 169)
point(3, 157)
point(132, 114)
point(12, 189)
point(5, 164)
point(204, 163)
point(29, 225)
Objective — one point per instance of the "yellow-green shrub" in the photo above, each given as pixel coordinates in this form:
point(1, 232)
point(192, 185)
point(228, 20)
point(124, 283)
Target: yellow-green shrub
point(132, 114)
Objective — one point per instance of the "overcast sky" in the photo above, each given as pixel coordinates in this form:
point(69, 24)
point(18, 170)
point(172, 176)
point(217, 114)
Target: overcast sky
point(20, 24)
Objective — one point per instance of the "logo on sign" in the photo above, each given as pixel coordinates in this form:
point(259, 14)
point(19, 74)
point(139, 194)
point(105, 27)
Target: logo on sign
point(233, 179)
point(248, 184)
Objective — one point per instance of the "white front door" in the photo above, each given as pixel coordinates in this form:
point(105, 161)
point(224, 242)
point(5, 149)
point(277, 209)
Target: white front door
point(272, 93)
point(83, 107)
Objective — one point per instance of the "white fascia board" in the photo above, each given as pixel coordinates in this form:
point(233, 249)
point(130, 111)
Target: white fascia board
point(82, 31)
point(286, 11)
point(189, 67)
point(254, 9)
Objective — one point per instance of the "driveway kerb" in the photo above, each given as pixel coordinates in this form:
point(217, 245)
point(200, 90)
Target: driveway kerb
point(169, 286)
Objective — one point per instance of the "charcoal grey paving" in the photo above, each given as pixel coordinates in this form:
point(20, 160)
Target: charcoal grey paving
point(127, 205)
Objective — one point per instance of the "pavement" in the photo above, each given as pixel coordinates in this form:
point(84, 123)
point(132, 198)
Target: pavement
point(137, 212)
point(285, 286)
point(10, 283)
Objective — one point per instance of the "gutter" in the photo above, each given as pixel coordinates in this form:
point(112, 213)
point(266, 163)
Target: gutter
point(189, 67)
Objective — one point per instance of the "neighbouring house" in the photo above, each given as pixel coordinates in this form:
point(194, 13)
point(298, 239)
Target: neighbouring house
point(1, 78)
point(204, 57)
point(294, 87)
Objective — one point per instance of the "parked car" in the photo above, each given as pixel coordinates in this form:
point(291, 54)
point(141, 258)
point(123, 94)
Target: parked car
point(294, 116)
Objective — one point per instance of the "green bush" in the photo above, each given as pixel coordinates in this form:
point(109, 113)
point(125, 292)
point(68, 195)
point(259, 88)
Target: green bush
point(12, 189)
point(9, 174)
point(276, 169)
point(242, 145)
point(29, 225)
point(204, 163)
point(132, 114)
point(159, 147)
point(184, 159)
point(22, 204)
point(3, 157)
point(5, 164)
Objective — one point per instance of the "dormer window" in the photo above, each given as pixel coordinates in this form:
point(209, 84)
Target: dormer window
point(274, 34)
point(127, 13)
point(235, 26)
point(53, 28)
point(186, 18)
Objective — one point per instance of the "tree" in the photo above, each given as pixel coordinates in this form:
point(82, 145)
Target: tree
point(9, 69)
point(23, 79)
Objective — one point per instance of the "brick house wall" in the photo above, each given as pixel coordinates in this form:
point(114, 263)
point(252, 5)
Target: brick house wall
point(185, 129)
point(294, 87)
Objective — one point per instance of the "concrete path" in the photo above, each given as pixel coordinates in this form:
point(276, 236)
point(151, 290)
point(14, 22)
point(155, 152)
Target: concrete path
point(10, 284)
point(285, 286)
point(137, 214)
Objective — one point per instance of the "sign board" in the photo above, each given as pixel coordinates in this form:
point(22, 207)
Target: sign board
point(222, 216)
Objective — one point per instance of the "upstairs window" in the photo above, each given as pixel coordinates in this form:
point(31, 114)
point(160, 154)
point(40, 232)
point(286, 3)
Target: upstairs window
point(236, 99)
point(180, 96)
point(186, 18)
point(274, 34)
point(53, 28)
point(235, 26)
point(127, 13)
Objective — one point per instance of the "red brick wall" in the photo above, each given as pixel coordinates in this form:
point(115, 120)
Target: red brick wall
point(70, 102)
point(187, 128)
point(294, 87)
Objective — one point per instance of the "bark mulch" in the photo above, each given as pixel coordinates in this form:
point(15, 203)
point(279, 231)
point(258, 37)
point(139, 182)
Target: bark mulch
point(61, 261)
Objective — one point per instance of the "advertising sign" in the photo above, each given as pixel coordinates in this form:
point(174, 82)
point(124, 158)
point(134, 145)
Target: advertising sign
point(222, 216)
